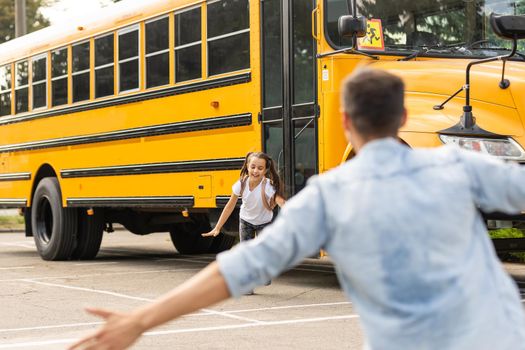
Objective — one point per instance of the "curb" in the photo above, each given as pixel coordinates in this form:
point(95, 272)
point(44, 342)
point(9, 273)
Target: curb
point(11, 230)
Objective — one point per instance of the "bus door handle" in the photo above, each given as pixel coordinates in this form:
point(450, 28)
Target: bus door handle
point(314, 26)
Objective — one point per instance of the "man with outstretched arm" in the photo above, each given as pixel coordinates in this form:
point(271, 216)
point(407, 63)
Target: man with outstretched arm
point(403, 229)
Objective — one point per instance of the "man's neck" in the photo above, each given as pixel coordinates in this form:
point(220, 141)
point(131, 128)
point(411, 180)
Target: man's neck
point(359, 141)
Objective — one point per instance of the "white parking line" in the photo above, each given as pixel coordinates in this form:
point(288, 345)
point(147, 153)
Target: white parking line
point(208, 313)
point(193, 330)
point(16, 268)
point(71, 325)
point(261, 324)
point(205, 261)
point(300, 306)
point(37, 344)
point(23, 245)
point(97, 263)
point(226, 314)
point(96, 275)
point(120, 295)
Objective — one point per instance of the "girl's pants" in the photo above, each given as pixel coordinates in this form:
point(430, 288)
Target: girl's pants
point(248, 231)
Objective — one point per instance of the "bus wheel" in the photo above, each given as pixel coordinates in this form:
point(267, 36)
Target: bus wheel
point(89, 235)
point(222, 242)
point(54, 227)
point(187, 239)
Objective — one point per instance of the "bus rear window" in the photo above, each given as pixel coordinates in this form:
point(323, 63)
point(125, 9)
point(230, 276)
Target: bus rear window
point(128, 58)
point(21, 87)
point(157, 52)
point(228, 36)
point(59, 77)
point(81, 71)
point(5, 90)
point(104, 62)
point(188, 43)
point(39, 83)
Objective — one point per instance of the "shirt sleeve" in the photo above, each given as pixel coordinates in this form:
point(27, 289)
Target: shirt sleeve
point(236, 188)
point(298, 232)
point(497, 186)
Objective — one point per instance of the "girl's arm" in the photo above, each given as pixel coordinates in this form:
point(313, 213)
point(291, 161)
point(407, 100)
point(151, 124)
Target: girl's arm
point(226, 212)
point(280, 201)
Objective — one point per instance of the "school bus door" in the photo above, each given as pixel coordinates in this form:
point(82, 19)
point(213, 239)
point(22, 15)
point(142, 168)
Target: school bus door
point(289, 113)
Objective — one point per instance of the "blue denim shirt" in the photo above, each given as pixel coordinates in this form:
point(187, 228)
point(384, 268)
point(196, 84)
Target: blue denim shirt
point(409, 245)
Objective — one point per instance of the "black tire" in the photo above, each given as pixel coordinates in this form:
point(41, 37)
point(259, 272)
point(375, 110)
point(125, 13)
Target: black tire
point(54, 227)
point(222, 242)
point(187, 239)
point(89, 235)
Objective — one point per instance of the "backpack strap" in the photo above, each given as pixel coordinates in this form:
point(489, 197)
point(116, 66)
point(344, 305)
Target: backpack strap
point(268, 206)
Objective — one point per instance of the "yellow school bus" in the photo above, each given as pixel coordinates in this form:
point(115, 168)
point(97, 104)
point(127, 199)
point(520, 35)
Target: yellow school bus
point(142, 113)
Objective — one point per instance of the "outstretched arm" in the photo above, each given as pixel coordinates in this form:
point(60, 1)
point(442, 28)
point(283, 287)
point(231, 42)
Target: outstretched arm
point(226, 212)
point(496, 186)
point(121, 330)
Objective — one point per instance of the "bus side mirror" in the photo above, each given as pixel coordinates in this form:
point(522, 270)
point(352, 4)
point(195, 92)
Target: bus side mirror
point(508, 27)
point(349, 26)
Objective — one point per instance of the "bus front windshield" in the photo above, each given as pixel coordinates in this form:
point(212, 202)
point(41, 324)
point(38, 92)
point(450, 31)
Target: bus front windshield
point(440, 27)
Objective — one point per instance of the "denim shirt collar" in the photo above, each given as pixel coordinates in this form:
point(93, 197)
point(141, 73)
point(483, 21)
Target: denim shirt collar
point(386, 145)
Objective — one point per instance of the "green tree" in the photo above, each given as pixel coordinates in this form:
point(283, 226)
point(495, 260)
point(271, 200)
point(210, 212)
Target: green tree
point(35, 20)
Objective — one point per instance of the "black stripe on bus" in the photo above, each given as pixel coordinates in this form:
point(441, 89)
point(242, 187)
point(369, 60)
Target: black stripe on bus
point(12, 203)
point(15, 177)
point(137, 202)
point(155, 130)
point(156, 168)
point(171, 91)
point(221, 201)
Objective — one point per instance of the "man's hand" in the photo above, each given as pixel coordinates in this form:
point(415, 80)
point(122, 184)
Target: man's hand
point(120, 331)
point(213, 233)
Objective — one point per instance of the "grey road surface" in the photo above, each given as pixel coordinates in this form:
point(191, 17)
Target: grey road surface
point(41, 303)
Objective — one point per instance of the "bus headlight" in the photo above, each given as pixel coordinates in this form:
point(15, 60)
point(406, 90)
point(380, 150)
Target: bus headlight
point(502, 148)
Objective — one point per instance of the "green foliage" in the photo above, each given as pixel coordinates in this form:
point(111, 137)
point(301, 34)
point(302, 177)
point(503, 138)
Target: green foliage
point(509, 233)
point(35, 20)
point(11, 221)
point(506, 233)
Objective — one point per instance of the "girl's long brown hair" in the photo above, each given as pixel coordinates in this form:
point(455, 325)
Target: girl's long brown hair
point(271, 171)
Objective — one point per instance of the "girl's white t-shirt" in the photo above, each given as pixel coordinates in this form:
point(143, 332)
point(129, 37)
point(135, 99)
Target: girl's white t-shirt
point(252, 208)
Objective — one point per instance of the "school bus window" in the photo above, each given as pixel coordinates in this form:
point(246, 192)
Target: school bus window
point(272, 38)
point(22, 87)
point(157, 52)
point(5, 90)
point(188, 56)
point(59, 77)
point(81, 72)
point(451, 28)
point(128, 58)
point(39, 83)
point(104, 66)
point(228, 36)
point(303, 62)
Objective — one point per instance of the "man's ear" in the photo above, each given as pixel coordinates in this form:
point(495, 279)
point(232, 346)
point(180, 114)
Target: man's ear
point(345, 121)
point(404, 118)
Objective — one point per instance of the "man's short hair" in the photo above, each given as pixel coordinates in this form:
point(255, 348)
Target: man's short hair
point(374, 100)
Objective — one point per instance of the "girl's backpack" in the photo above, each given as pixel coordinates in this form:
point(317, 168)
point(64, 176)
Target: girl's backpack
point(268, 206)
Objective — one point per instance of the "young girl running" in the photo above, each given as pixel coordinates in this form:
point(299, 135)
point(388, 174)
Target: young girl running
point(259, 195)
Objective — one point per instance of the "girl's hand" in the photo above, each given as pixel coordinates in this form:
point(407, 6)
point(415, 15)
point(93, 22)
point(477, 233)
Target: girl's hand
point(120, 331)
point(280, 201)
point(213, 233)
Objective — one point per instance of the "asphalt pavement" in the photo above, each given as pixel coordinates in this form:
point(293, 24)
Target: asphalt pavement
point(42, 302)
